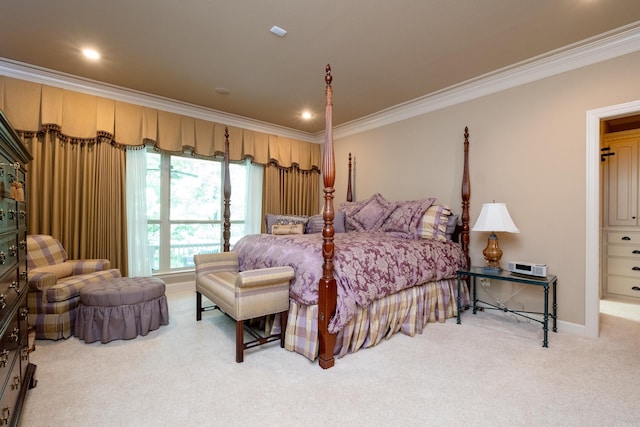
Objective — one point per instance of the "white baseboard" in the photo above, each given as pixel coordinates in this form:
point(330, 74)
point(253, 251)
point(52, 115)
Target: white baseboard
point(571, 328)
point(178, 282)
point(181, 287)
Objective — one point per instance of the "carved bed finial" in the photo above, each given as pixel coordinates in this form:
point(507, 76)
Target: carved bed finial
point(328, 78)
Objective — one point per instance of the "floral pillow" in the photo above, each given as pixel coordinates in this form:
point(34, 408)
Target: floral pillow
point(404, 220)
point(434, 222)
point(371, 214)
point(349, 208)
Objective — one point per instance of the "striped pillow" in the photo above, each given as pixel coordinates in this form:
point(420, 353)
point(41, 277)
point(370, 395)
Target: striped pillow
point(433, 224)
point(316, 223)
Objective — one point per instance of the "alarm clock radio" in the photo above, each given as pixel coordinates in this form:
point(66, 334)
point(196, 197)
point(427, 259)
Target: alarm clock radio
point(528, 268)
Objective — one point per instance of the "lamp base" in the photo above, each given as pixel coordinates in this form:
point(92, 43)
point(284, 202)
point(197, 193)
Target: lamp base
point(492, 254)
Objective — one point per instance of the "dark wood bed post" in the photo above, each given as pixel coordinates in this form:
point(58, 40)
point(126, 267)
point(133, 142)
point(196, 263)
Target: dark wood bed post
point(466, 195)
point(226, 231)
point(349, 192)
point(327, 291)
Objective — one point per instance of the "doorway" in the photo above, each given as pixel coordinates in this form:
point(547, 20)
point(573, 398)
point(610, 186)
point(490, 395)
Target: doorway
point(619, 139)
point(593, 244)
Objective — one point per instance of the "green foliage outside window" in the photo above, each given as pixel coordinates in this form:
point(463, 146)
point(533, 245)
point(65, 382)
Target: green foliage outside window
point(185, 208)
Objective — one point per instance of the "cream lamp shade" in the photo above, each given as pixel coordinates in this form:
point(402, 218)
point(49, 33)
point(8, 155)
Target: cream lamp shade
point(494, 217)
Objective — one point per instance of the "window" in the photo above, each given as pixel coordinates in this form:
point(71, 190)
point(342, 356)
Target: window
point(185, 206)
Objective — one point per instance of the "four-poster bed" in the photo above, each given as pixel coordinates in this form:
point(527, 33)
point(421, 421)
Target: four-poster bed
point(361, 295)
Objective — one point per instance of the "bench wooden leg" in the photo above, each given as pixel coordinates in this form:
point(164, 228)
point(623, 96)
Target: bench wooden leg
point(239, 341)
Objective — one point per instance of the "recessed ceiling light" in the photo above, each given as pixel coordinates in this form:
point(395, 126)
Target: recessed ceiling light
point(281, 32)
point(223, 91)
point(307, 115)
point(91, 54)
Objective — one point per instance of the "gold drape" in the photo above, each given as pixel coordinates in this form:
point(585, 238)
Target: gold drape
point(76, 193)
point(290, 191)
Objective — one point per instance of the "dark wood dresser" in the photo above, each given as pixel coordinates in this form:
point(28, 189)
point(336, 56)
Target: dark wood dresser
point(16, 373)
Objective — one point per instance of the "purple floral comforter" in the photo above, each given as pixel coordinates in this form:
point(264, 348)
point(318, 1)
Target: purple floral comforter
point(367, 266)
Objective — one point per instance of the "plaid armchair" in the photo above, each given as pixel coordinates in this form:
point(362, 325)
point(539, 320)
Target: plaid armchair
point(54, 285)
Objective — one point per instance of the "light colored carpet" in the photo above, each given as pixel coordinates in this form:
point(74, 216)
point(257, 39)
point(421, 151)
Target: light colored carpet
point(490, 370)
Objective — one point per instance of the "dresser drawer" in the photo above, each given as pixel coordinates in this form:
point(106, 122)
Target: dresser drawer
point(10, 340)
point(624, 267)
point(9, 172)
point(623, 237)
point(6, 358)
point(10, 395)
point(11, 288)
point(8, 214)
point(631, 251)
point(8, 253)
point(623, 286)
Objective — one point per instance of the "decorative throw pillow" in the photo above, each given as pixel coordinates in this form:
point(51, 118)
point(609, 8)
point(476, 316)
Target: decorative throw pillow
point(272, 219)
point(434, 222)
point(349, 208)
point(316, 223)
point(287, 229)
point(371, 215)
point(404, 220)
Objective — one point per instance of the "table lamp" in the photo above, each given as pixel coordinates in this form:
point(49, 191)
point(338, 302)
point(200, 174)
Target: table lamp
point(494, 217)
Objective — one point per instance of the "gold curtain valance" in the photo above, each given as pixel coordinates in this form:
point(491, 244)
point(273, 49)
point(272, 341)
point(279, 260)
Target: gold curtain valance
point(34, 107)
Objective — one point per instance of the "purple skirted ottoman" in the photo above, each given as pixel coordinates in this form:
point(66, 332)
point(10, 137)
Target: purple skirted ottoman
point(121, 308)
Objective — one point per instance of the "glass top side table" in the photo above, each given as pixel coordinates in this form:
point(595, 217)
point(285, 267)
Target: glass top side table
point(550, 281)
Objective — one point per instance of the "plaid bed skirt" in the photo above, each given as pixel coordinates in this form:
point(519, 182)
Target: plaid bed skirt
point(407, 311)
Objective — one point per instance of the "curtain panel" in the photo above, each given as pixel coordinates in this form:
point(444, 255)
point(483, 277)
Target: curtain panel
point(76, 193)
point(136, 195)
point(32, 107)
point(290, 191)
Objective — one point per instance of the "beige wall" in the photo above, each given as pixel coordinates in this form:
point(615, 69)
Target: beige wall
point(527, 149)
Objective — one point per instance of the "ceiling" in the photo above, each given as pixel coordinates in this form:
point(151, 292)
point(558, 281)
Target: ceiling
point(382, 53)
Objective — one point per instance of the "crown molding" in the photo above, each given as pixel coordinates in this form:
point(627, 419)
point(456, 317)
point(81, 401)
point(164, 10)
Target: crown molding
point(606, 46)
point(48, 77)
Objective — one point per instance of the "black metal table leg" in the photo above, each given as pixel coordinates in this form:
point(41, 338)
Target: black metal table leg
point(545, 325)
point(555, 307)
point(458, 299)
point(475, 295)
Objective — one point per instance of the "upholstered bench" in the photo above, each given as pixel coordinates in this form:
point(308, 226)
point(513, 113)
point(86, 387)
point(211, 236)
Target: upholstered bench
point(243, 295)
point(121, 308)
